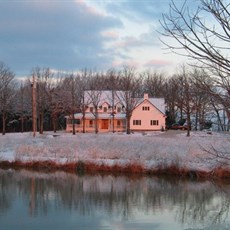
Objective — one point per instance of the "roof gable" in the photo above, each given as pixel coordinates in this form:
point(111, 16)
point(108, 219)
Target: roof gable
point(158, 103)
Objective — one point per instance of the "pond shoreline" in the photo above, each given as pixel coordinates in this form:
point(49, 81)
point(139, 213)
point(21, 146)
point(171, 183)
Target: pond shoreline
point(156, 153)
point(82, 167)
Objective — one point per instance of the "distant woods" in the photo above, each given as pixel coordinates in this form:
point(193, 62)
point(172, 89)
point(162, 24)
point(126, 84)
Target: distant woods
point(191, 95)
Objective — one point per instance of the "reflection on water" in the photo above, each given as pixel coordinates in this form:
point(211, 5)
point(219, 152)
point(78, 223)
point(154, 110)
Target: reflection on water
point(59, 200)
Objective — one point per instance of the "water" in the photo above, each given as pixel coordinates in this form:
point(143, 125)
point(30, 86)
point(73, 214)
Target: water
point(40, 201)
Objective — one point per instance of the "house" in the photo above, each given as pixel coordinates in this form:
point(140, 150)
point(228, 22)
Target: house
point(105, 112)
point(148, 115)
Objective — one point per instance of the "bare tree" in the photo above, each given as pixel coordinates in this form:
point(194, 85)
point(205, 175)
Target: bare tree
point(174, 97)
point(22, 103)
point(94, 97)
point(57, 99)
point(213, 95)
point(70, 88)
point(171, 97)
point(113, 79)
point(6, 93)
point(205, 43)
point(130, 85)
point(153, 84)
point(83, 85)
point(186, 92)
point(201, 97)
point(44, 80)
point(96, 84)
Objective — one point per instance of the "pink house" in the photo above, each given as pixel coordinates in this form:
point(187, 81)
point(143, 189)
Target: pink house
point(105, 112)
point(148, 115)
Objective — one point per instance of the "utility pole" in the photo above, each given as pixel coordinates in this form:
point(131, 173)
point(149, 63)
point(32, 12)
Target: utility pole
point(34, 106)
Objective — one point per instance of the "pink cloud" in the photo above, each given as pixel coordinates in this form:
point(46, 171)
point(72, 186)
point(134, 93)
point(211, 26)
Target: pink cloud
point(89, 8)
point(130, 63)
point(110, 34)
point(128, 41)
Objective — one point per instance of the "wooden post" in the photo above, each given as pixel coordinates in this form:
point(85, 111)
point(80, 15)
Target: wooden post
point(34, 107)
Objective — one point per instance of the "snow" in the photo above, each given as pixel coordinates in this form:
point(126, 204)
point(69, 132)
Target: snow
point(150, 149)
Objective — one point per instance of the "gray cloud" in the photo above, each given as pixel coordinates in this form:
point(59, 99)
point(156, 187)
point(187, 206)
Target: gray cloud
point(140, 10)
point(55, 34)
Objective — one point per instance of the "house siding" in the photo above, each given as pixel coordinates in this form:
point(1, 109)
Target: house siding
point(150, 113)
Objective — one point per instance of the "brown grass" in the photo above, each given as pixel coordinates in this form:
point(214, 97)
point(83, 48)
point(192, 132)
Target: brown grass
point(221, 172)
point(132, 168)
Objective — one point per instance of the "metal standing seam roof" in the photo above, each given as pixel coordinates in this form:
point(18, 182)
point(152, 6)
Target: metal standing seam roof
point(100, 116)
point(105, 96)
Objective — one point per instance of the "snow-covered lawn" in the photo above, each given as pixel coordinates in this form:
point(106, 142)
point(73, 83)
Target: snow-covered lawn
point(151, 150)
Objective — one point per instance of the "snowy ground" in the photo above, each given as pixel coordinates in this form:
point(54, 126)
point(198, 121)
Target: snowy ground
point(151, 150)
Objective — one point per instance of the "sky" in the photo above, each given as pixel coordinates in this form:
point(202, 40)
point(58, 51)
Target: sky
point(71, 35)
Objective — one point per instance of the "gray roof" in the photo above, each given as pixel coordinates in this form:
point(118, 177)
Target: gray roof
point(104, 96)
point(107, 96)
point(159, 103)
point(100, 116)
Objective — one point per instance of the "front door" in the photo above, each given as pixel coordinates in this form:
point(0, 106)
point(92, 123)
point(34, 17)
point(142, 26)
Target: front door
point(104, 124)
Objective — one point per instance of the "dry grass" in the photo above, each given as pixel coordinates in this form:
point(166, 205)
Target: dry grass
point(221, 172)
point(132, 168)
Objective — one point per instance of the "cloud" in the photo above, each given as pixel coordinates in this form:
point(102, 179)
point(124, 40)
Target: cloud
point(110, 34)
point(128, 42)
point(129, 63)
point(145, 39)
point(57, 34)
point(76, 34)
point(139, 10)
point(157, 63)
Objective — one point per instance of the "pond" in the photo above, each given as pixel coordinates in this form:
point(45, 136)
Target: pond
point(35, 200)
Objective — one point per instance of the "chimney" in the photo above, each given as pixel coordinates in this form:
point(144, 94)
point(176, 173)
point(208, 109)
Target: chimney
point(146, 96)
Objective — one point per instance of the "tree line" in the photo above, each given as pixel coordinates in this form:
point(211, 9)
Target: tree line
point(189, 95)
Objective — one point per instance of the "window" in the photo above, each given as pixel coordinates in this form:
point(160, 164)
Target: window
point(154, 122)
point(105, 109)
point(76, 121)
point(145, 108)
point(91, 109)
point(136, 122)
point(100, 107)
point(118, 109)
point(118, 123)
point(90, 123)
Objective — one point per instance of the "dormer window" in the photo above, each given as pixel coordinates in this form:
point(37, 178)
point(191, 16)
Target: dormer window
point(118, 109)
point(105, 109)
point(91, 109)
